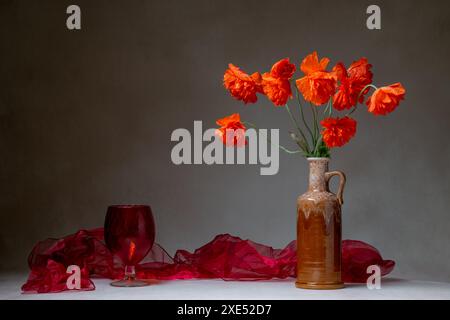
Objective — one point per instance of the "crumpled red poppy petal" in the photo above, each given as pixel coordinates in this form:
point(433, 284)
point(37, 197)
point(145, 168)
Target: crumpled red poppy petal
point(226, 257)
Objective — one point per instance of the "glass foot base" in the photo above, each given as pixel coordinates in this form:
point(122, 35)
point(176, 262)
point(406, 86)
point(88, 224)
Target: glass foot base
point(130, 283)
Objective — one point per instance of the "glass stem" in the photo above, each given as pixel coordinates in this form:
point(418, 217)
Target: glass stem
point(130, 273)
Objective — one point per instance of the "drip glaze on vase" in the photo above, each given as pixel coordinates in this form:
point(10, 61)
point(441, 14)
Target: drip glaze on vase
point(319, 230)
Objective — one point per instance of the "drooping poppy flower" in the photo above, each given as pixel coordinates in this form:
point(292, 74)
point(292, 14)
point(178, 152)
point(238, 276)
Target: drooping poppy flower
point(338, 131)
point(360, 71)
point(352, 81)
point(241, 85)
point(384, 100)
point(318, 85)
point(278, 90)
point(232, 130)
point(283, 69)
point(276, 84)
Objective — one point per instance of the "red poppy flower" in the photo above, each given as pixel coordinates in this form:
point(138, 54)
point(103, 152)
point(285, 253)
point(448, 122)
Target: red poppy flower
point(312, 64)
point(276, 84)
point(384, 100)
point(283, 69)
point(241, 85)
point(338, 131)
point(352, 81)
point(278, 90)
point(232, 130)
point(360, 71)
point(318, 85)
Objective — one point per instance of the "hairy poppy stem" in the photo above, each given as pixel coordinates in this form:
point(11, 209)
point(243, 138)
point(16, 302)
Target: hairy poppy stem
point(319, 141)
point(316, 126)
point(359, 96)
point(298, 127)
point(270, 141)
point(302, 114)
point(328, 108)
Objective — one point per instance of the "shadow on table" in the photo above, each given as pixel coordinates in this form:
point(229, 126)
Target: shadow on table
point(384, 282)
point(387, 282)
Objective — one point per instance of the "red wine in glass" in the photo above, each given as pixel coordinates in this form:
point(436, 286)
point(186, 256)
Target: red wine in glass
point(129, 235)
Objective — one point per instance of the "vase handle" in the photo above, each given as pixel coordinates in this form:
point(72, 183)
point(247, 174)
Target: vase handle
point(342, 180)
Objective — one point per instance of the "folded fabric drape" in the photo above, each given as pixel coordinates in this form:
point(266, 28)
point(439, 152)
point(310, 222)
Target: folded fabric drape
point(226, 257)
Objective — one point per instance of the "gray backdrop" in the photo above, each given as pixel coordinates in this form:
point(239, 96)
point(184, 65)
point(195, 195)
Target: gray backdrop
point(86, 118)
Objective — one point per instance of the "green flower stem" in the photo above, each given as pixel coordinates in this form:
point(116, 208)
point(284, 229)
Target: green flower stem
point(328, 108)
point(297, 126)
point(317, 123)
point(319, 141)
point(316, 130)
point(302, 114)
point(287, 150)
point(270, 141)
point(359, 96)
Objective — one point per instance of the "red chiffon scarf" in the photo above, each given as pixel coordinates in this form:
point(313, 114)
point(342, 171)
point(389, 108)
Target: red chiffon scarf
point(226, 257)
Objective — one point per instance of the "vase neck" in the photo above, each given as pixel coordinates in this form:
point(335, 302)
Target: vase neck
point(317, 169)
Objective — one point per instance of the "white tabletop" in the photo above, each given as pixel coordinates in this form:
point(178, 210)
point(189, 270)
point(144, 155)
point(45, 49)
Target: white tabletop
point(391, 288)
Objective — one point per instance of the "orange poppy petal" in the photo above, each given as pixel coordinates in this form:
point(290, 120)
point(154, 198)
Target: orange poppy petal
point(283, 69)
point(317, 88)
point(384, 100)
point(232, 130)
point(338, 131)
point(240, 85)
point(311, 63)
point(278, 90)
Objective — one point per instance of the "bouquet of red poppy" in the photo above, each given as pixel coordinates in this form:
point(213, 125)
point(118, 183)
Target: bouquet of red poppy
point(339, 90)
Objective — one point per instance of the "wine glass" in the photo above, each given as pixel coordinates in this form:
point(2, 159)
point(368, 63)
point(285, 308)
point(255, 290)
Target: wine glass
point(129, 234)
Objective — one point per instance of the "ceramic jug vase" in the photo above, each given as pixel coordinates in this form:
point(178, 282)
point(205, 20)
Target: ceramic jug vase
point(319, 230)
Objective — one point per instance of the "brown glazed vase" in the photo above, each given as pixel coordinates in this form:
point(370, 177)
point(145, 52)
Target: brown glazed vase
point(319, 230)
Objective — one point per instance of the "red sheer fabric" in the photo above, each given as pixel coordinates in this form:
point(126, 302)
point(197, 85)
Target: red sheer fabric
point(226, 257)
